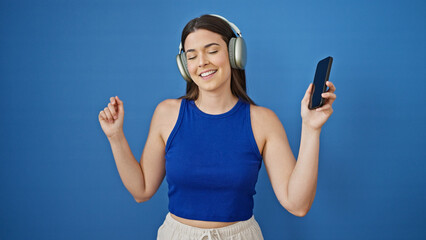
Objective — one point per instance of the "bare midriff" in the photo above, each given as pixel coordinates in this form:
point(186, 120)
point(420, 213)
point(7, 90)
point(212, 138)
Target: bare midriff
point(201, 224)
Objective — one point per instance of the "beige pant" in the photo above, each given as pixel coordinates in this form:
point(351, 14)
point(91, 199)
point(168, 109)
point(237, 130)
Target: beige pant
point(175, 230)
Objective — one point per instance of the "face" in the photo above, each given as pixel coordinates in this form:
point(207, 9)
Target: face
point(208, 61)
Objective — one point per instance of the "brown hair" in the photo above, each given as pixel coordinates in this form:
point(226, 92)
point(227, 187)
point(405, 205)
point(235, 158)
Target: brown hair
point(219, 26)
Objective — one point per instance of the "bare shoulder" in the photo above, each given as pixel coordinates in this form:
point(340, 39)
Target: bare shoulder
point(168, 106)
point(264, 117)
point(165, 116)
point(259, 111)
point(263, 122)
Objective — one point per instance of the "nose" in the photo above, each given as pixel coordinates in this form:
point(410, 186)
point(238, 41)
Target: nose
point(202, 60)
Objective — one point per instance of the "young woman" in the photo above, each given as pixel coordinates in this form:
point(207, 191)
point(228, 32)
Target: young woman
point(211, 143)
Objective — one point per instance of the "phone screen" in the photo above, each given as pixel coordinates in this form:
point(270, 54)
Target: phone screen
point(321, 76)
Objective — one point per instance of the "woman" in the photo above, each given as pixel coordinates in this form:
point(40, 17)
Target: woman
point(212, 141)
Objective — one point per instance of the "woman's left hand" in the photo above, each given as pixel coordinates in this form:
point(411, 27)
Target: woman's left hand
point(315, 118)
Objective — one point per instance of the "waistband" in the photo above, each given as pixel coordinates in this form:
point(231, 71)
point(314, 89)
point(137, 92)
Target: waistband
point(202, 232)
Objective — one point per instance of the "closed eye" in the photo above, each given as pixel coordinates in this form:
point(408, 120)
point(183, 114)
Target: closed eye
point(211, 52)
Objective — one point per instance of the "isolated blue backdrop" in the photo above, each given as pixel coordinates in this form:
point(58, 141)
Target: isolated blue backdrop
point(61, 61)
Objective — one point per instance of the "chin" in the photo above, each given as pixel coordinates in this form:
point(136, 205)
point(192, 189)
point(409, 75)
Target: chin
point(211, 86)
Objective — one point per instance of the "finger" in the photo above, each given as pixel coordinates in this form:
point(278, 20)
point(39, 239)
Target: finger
point(102, 115)
point(118, 100)
point(331, 86)
point(112, 100)
point(112, 110)
point(330, 97)
point(307, 93)
point(310, 89)
point(108, 114)
point(120, 105)
point(324, 107)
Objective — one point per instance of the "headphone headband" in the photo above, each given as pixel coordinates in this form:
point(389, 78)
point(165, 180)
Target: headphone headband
point(233, 26)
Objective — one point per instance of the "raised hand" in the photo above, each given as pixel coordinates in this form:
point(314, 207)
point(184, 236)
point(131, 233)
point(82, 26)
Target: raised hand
point(111, 118)
point(316, 118)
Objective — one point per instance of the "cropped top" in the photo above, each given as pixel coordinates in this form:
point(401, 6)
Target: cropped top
point(212, 164)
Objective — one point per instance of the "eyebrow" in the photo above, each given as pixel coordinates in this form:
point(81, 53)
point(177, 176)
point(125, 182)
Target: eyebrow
point(206, 46)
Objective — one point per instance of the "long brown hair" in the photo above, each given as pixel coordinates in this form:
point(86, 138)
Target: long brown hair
point(219, 26)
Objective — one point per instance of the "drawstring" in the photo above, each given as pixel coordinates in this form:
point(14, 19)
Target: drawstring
point(208, 234)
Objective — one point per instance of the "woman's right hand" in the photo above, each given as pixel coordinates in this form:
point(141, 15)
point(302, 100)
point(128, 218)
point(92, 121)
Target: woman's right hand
point(111, 118)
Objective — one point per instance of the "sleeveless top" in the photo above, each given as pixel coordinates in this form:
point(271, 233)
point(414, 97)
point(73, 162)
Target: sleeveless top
point(212, 164)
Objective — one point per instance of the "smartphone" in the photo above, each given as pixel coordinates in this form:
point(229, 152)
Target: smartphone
point(321, 76)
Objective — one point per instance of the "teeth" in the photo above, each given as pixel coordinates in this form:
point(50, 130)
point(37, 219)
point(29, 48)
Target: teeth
point(207, 73)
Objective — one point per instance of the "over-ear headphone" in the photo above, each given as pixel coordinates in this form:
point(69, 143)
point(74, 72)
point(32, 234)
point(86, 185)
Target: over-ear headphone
point(237, 52)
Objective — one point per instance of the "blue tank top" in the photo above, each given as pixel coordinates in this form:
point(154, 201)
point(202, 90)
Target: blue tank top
point(212, 164)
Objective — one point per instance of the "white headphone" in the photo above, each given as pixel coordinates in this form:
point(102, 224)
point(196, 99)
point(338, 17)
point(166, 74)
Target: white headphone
point(237, 52)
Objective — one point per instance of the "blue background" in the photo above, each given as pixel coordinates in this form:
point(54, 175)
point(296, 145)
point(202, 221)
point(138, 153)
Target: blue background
point(61, 61)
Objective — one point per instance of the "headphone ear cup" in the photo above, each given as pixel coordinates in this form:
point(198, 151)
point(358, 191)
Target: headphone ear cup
point(240, 53)
point(183, 67)
point(231, 52)
point(237, 53)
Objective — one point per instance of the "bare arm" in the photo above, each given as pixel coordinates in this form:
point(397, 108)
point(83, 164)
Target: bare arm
point(303, 180)
point(143, 179)
point(294, 182)
point(127, 166)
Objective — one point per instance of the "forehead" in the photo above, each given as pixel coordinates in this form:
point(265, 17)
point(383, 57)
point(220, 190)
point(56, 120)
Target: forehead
point(201, 37)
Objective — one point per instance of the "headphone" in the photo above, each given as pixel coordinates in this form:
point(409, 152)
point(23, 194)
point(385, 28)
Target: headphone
point(237, 52)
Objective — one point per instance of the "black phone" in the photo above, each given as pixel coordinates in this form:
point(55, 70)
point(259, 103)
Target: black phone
point(322, 74)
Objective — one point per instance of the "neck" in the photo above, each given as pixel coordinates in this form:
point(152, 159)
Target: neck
point(216, 103)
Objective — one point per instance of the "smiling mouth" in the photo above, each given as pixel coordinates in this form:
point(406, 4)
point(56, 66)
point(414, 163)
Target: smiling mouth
point(208, 74)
